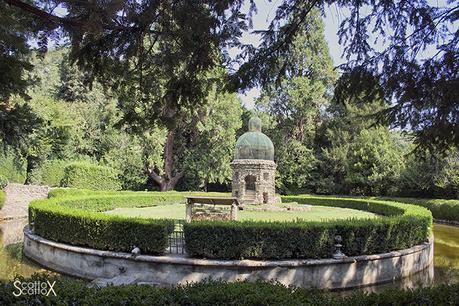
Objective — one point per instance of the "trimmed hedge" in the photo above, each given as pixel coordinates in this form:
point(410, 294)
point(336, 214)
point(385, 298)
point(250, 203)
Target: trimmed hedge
point(74, 192)
point(50, 173)
point(2, 199)
point(89, 176)
point(405, 226)
point(81, 221)
point(441, 209)
point(76, 217)
point(73, 292)
point(72, 218)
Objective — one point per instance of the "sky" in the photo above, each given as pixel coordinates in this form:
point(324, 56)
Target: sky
point(266, 11)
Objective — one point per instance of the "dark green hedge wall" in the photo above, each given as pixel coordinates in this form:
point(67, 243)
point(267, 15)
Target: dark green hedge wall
point(71, 292)
point(89, 176)
point(404, 226)
point(447, 210)
point(81, 221)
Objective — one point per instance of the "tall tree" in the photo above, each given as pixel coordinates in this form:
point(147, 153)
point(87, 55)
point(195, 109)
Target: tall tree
point(297, 102)
point(200, 145)
point(152, 44)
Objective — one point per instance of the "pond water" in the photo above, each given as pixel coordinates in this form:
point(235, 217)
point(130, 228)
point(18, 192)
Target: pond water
point(445, 269)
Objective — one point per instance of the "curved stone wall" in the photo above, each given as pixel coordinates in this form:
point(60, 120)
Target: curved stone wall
point(171, 270)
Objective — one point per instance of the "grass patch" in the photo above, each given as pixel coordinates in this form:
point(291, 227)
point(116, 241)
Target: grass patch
point(317, 213)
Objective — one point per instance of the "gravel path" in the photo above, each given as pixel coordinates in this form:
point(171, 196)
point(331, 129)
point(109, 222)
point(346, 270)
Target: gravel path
point(18, 197)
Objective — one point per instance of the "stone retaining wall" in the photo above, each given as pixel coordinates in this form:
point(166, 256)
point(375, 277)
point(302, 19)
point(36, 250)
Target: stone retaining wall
point(171, 270)
point(18, 197)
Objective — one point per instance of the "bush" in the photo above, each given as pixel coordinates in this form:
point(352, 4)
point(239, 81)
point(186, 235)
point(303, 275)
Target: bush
point(50, 173)
point(88, 176)
point(81, 221)
point(12, 167)
point(73, 292)
point(2, 199)
point(3, 181)
point(447, 210)
point(404, 227)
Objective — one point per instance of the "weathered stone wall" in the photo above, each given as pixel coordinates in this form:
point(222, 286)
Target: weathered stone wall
point(263, 172)
point(119, 268)
point(18, 197)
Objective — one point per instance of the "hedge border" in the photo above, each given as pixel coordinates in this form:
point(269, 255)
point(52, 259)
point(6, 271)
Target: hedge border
point(76, 217)
point(79, 220)
point(442, 209)
point(404, 226)
point(74, 292)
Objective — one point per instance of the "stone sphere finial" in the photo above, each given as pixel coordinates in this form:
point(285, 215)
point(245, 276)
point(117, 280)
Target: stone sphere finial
point(254, 124)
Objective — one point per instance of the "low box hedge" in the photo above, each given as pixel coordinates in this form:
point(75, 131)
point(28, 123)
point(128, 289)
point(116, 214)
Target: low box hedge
point(89, 176)
point(73, 292)
point(80, 221)
point(2, 199)
point(447, 210)
point(404, 226)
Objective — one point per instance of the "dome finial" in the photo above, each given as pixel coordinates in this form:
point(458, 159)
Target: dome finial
point(254, 124)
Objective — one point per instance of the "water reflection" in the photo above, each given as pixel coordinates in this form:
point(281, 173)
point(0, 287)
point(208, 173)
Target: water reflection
point(12, 261)
point(444, 270)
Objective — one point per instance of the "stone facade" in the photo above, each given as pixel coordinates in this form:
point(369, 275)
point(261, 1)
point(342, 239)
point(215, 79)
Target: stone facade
point(254, 181)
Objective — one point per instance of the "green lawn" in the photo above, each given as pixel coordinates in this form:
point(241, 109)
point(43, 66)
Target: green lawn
point(317, 213)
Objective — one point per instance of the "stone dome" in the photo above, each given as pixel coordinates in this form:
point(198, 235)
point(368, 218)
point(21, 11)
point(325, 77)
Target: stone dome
point(254, 144)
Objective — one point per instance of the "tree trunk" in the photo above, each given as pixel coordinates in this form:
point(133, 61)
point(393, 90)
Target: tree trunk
point(167, 181)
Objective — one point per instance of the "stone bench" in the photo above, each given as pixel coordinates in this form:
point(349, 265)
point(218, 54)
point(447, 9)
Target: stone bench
point(192, 200)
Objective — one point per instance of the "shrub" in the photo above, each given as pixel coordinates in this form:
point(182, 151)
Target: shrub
point(76, 217)
point(80, 221)
point(88, 176)
point(50, 173)
point(12, 167)
point(2, 199)
point(3, 181)
point(447, 210)
point(74, 292)
point(404, 226)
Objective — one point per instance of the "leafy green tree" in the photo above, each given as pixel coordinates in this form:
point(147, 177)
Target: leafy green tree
point(201, 145)
point(297, 105)
point(166, 46)
point(431, 175)
point(374, 164)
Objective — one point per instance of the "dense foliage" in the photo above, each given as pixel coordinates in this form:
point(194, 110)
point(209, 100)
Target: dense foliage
point(50, 173)
point(2, 198)
point(157, 54)
point(220, 293)
point(404, 226)
point(12, 168)
point(3, 182)
point(326, 138)
point(86, 175)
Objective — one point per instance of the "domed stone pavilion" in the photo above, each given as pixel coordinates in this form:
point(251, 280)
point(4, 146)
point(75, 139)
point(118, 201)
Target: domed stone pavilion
point(254, 168)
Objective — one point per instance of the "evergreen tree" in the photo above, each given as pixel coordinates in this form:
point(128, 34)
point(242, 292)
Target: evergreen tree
point(297, 104)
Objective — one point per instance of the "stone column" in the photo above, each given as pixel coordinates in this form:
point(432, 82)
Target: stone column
point(189, 211)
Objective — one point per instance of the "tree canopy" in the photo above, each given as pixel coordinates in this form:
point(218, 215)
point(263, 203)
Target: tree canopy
point(155, 53)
